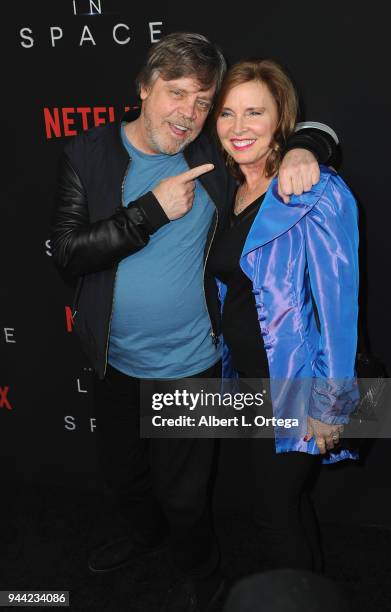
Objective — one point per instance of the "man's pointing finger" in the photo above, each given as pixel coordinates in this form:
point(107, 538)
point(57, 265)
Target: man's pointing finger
point(194, 173)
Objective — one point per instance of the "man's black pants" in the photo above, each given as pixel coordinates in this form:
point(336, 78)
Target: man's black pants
point(159, 482)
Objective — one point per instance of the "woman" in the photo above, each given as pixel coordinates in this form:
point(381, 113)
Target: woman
point(288, 286)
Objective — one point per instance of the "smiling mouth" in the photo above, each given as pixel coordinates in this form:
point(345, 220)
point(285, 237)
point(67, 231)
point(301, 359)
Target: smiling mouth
point(240, 145)
point(179, 130)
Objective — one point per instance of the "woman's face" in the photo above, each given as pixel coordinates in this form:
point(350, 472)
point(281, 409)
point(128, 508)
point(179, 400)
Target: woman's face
point(247, 123)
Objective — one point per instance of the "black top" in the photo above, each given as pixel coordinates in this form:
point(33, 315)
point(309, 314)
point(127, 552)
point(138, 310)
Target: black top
point(240, 323)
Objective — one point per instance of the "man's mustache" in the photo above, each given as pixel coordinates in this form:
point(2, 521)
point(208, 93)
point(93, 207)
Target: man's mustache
point(189, 125)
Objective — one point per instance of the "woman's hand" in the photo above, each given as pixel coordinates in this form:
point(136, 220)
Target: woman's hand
point(327, 436)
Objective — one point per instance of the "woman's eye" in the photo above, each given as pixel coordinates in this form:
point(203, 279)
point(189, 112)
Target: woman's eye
point(255, 113)
point(225, 114)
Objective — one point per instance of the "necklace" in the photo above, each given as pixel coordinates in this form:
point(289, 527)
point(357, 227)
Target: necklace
point(245, 196)
point(241, 198)
point(240, 203)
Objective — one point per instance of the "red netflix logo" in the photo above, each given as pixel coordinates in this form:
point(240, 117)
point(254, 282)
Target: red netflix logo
point(4, 402)
point(69, 121)
point(69, 318)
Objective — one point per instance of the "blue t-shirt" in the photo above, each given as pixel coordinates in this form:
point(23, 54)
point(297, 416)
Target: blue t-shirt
point(160, 326)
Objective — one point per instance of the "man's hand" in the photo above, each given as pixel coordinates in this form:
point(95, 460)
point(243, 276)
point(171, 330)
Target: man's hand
point(299, 170)
point(326, 435)
point(176, 193)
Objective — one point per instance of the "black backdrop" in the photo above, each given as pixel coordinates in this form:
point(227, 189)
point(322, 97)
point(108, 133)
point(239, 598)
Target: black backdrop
point(70, 64)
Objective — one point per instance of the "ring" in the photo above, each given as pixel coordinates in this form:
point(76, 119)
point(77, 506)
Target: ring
point(335, 437)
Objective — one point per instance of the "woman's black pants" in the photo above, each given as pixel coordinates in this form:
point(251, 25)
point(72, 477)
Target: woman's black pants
point(284, 514)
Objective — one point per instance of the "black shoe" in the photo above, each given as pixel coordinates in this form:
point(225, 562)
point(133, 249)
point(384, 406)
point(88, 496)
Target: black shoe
point(191, 594)
point(120, 553)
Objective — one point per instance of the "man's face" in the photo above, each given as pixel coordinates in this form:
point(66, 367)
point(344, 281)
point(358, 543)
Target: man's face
point(173, 113)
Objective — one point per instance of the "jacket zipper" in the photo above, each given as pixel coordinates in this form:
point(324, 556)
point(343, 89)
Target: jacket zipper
point(215, 338)
point(116, 271)
point(76, 298)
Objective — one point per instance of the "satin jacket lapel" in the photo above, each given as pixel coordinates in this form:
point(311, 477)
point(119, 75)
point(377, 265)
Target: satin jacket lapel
point(275, 218)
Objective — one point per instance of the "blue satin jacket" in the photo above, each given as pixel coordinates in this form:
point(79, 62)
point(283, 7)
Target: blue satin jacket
point(302, 259)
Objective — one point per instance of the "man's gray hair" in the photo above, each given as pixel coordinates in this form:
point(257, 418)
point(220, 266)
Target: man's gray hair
point(183, 54)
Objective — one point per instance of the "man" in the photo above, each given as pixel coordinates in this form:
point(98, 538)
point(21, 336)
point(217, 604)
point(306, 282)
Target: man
point(138, 207)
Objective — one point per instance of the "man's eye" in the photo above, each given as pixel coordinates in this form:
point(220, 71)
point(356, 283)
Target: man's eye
point(176, 92)
point(203, 105)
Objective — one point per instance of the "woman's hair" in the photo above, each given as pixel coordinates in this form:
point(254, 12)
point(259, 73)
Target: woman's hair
point(183, 54)
point(284, 93)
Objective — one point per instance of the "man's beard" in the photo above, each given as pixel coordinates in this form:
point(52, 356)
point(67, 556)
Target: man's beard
point(161, 143)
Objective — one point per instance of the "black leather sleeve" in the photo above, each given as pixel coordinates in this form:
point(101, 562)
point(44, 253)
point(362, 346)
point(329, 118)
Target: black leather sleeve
point(320, 143)
point(81, 247)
